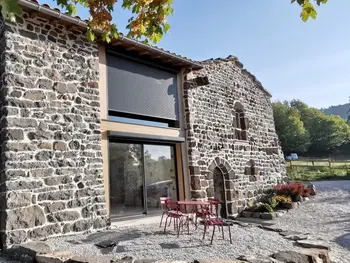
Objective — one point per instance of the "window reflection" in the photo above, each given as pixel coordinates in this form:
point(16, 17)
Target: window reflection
point(138, 121)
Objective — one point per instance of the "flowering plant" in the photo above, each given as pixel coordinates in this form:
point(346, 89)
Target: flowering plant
point(283, 199)
point(291, 190)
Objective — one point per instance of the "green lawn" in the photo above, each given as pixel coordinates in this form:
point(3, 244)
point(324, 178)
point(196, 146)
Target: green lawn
point(321, 169)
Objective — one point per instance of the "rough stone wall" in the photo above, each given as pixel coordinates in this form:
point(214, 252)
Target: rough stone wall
point(51, 150)
point(2, 93)
point(247, 166)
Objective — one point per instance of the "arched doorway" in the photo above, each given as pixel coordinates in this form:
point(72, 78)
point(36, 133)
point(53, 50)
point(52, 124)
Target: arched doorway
point(219, 188)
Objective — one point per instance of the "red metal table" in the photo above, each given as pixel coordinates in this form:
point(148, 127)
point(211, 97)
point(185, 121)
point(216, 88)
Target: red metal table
point(184, 205)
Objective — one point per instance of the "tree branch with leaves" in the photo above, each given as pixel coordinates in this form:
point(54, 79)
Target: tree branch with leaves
point(148, 22)
point(308, 8)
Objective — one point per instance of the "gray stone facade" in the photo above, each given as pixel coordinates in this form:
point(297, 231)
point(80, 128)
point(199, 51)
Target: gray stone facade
point(51, 162)
point(229, 159)
point(51, 173)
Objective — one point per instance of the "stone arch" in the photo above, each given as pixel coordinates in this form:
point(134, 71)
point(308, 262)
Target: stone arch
point(219, 175)
point(238, 106)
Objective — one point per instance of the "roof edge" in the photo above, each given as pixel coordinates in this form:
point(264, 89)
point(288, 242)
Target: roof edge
point(239, 64)
point(77, 21)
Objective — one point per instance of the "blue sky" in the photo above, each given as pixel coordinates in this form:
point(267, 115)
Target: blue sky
point(308, 61)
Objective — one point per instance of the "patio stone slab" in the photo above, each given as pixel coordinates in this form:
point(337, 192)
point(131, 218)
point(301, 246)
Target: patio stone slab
point(220, 261)
point(294, 235)
point(67, 257)
point(32, 249)
point(313, 244)
point(303, 256)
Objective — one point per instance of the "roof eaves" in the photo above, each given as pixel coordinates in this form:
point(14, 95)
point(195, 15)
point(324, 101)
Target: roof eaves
point(77, 21)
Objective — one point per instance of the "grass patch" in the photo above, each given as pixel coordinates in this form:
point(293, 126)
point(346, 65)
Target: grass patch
point(317, 173)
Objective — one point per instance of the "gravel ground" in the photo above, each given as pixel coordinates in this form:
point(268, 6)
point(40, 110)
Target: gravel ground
point(326, 217)
point(148, 241)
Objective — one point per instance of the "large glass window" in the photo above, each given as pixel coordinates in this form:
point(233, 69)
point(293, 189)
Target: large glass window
point(160, 174)
point(139, 175)
point(126, 179)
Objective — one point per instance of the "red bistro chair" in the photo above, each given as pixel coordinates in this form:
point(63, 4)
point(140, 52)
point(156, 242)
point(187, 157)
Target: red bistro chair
point(214, 207)
point(163, 205)
point(173, 213)
point(215, 222)
point(201, 211)
point(185, 211)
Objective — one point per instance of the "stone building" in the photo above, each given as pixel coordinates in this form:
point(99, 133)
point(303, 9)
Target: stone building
point(92, 133)
point(233, 148)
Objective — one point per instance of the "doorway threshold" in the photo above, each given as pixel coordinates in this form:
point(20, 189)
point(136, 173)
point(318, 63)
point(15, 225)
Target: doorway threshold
point(135, 221)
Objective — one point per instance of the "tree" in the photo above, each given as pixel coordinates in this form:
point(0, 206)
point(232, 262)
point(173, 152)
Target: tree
point(148, 20)
point(290, 129)
point(297, 123)
point(348, 114)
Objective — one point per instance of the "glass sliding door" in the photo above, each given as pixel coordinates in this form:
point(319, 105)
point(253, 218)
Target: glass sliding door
point(126, 179)
point(139, 175)
point(160, 175)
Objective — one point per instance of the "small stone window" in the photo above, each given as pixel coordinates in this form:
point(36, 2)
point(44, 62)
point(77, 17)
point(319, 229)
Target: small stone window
point(252, 171)
point(240, 122)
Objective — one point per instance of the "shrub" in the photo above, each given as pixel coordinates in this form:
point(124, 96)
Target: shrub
point(273, 203)
point(283, 198)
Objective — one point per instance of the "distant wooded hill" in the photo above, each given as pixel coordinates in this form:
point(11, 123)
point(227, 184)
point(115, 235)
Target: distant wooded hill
point(340, 110)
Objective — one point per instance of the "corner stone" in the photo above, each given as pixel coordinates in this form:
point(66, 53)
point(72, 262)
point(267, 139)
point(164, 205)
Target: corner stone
point(28, 217)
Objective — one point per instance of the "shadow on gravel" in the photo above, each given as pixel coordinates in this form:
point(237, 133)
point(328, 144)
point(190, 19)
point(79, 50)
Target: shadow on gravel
point(116, 236)
point(169, 245)
point(333, 200)
point(344, 240)
point(108, 240)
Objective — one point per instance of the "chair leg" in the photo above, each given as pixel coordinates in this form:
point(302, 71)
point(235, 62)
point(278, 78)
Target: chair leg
point(161, 220)
point(178, 226)
point(205, 230)
point(212, 237)
point(229, 231)
point(166, 222)
point(223, 236)
point(188, 225)
point(170, 221)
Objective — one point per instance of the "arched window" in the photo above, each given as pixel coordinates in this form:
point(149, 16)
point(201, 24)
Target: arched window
point(240, 122)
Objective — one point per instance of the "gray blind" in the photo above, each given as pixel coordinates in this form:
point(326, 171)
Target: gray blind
point(140, 89)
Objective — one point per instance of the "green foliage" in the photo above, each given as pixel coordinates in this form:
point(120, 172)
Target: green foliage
point(148, 19)
point(266, 208)
point(308, 9)
point(340, 110)
point(290, 129)
point(308, 130)
point(273, 203)
point(317, 173)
